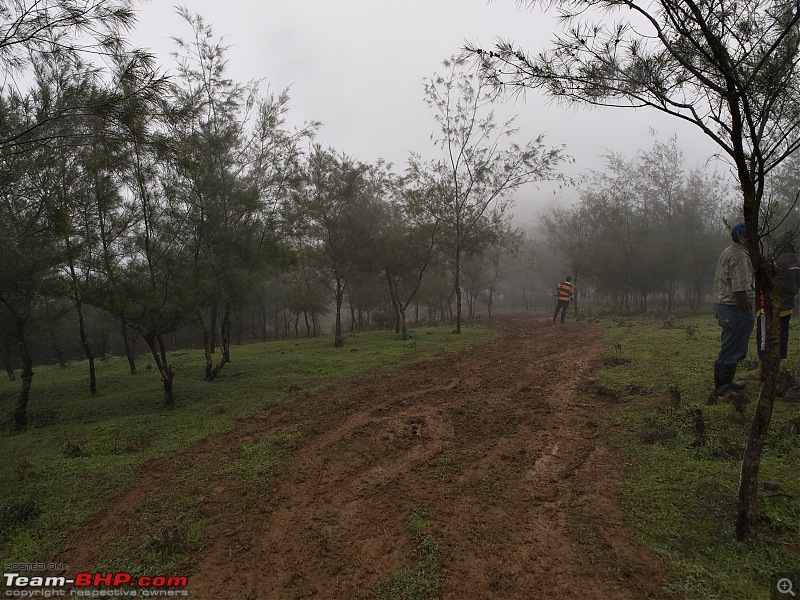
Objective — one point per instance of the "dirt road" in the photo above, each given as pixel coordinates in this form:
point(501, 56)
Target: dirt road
point(497, 446)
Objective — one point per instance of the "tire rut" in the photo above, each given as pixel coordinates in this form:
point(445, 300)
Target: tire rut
point(495, 444)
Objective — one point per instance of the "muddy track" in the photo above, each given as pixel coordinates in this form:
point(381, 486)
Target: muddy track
point(496, 445)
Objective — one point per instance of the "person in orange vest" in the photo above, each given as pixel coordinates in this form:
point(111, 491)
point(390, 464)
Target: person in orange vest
point(564, 293)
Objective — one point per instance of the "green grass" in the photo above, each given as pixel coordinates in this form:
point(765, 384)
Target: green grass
point(424, 580)
point(81, 451)
point(682, 487)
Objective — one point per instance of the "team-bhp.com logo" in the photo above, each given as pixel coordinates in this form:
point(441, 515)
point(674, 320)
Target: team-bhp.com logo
point(93, 585)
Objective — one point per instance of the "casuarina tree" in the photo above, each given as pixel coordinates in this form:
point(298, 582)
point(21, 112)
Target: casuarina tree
point(481, 165)
point(729, 67)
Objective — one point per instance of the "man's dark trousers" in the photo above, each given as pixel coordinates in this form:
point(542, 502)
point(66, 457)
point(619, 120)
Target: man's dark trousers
point(561, 306)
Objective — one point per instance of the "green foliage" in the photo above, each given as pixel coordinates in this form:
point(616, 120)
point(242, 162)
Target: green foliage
point(76, 442)
point(684, 477)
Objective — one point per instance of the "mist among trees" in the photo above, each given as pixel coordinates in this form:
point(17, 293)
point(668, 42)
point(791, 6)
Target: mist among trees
point(147, 209)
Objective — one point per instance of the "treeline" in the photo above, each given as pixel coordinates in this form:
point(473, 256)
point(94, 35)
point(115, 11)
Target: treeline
point(143, 209)
point(646, 233)
point(145, 212)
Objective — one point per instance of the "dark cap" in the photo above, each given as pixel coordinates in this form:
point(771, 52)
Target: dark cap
point(740, 230)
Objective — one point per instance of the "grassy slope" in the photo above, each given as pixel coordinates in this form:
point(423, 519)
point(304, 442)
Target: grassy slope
point(81, 451)
point(682, 495)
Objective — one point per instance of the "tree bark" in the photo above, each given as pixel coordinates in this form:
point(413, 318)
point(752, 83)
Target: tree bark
point(159, 351)
point(87, 350)
point(395, 301)
point(126, 340)
point(458, 290)
point(766, 279)
point(211, 371)
point(747, 513)
point(338, 342)
point(78, 302)
point(206, 348)
point(225, 334)
point(20, 411)
point(212, 328)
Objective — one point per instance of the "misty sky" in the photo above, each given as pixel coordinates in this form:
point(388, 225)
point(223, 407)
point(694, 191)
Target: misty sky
point(358, 66)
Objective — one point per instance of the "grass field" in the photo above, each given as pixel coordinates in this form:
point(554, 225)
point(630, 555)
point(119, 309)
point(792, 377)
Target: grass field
point(81, 451)
point(682, 487)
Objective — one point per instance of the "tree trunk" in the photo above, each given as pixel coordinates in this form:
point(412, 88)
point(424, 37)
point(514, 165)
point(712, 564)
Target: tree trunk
point(159, 351)
point(87, 348)
point(338, 342)
point(575, 294)
point(458, 290)
point(20, 411)
point(766, 279)
point(212, 328)
point(126, 339)
point(206, 348)
point(225, 335)
point(747, 513)
point(211, 370)
point(395, 301)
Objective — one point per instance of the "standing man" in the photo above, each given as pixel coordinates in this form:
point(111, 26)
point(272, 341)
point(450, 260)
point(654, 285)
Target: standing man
point(564, 294)
point(734, 296)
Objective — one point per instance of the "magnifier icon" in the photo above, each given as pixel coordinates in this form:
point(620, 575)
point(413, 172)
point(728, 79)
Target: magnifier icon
point(785, 586)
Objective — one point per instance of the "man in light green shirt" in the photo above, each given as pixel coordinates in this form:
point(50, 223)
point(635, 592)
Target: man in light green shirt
point(734, 297)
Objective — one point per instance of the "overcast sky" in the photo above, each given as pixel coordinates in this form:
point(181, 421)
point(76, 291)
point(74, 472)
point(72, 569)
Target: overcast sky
point(358, 67)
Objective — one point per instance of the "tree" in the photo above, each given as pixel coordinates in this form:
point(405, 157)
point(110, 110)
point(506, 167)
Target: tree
point(71, 51)
point(75, 31)
point(65, 181)
point(30, 239)
point(108, 216)
point(153, 291)
point(408, 241)
point(477, 173)
point(331, 203)
point(237, 162)
point(730, 68)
